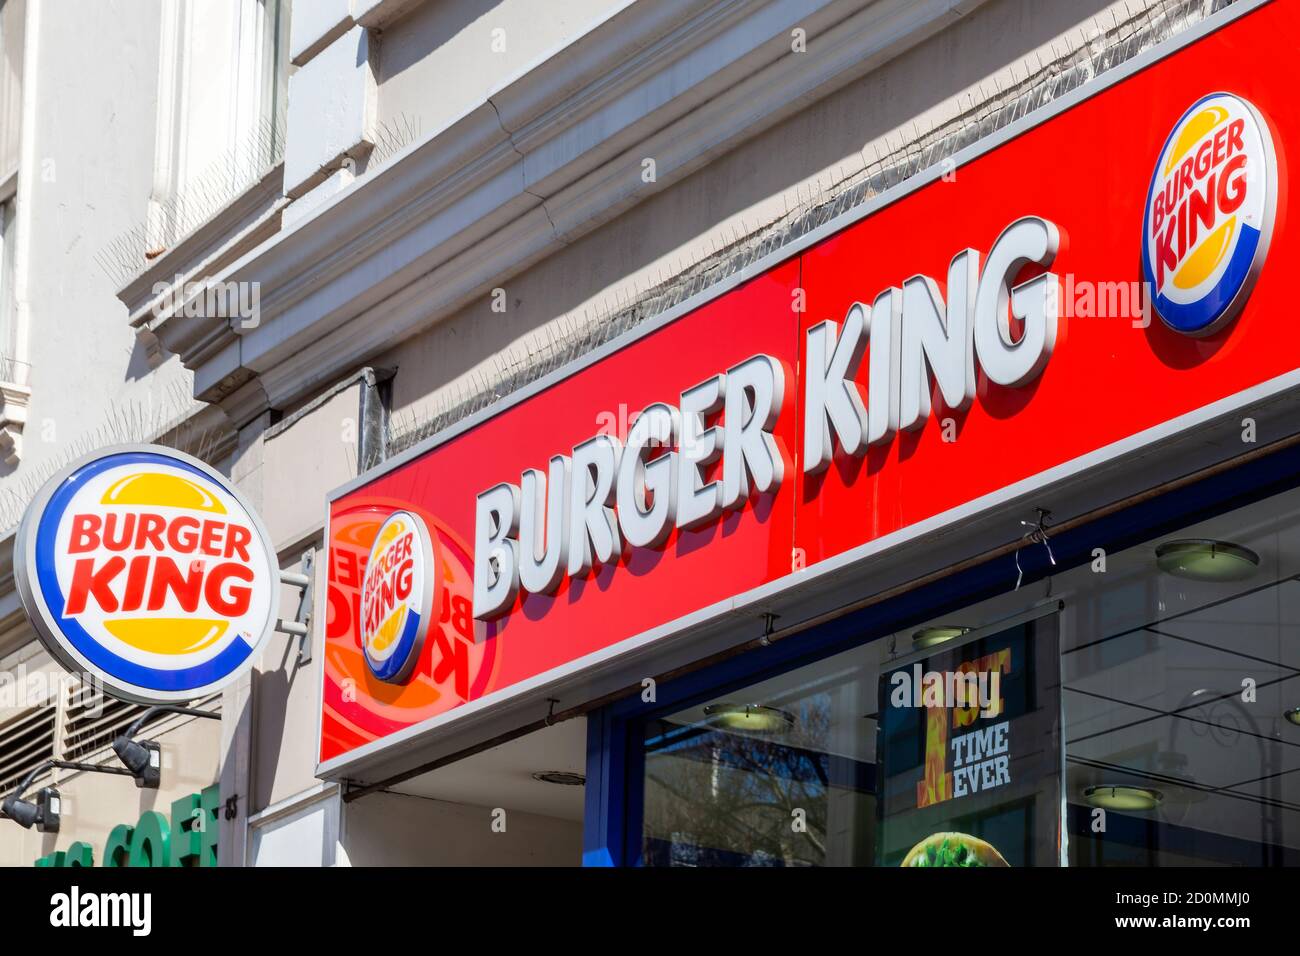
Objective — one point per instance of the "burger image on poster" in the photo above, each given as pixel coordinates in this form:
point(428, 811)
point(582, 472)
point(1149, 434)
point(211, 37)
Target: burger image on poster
point(953, 849)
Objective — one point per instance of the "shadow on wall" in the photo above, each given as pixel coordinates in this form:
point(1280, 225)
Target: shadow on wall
point(273, 689)
point(427, 30)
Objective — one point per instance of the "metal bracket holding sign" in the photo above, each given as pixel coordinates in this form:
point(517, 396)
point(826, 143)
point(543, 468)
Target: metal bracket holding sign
point(300, 626)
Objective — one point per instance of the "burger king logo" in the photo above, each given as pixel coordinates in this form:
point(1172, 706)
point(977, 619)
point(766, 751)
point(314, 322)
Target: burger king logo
point(1209, 214)
point(397, 597)
point(147, 569)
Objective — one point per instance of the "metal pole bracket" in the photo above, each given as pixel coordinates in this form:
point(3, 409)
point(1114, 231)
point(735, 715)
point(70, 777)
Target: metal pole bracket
point(300, 626)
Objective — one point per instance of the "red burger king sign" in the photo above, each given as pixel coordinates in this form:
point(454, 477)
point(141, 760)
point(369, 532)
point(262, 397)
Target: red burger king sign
point(736, 457)
point(146, 569)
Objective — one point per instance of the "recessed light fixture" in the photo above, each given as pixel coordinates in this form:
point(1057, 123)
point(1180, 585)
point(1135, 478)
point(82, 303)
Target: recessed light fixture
point(1203, 559)
point(936, 634)
point(1123, 797)
point(564, 778)
point(754, 718)
point(1293, 715)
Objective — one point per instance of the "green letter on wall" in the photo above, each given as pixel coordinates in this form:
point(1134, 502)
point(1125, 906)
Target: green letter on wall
point(195, 829)
point(151, 842)
point(80, 854)
point(117, 851)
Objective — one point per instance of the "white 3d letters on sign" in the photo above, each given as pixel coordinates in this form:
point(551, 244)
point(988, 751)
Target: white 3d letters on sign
point(914, 334)
point(886, 321)
point(698, 501)
point(832, 395)
point(593, 526)
point(581, 513)
point(755, 393)
point(940, 337)
point(588, 507)
point(496, 554)
point(543, 532)
point(1027, 241)
point(647, 490)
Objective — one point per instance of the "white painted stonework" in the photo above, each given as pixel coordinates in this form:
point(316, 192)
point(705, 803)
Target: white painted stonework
point(332, 102)
point(315, 25)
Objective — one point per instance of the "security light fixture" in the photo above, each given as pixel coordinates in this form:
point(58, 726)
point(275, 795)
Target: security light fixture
point(22, 812)
point(754, 718)
point(143, 758)
point(563, 778)
point(1204, 559)
point(45, 812)
point(928, 637)
point(48, 804)
point(1123, 797)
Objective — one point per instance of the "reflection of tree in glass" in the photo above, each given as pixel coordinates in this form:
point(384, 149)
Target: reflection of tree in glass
point(733, 795)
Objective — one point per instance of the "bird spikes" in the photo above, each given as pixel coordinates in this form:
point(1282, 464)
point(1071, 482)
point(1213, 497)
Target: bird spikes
point(167, 418)
point(171, 219)
point(975, 114)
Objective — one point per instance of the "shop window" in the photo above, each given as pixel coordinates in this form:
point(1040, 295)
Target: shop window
point(13, 370)
point(781, 773)
point(1181, 668)
point(1161, 727)
point(13, 15)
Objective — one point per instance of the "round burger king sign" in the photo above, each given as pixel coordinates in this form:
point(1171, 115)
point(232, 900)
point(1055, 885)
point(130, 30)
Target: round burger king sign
point(397, 597)
point(145, 568)
point(1209, 213)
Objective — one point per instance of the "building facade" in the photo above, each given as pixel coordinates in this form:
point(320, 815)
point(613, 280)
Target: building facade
point(722, 375)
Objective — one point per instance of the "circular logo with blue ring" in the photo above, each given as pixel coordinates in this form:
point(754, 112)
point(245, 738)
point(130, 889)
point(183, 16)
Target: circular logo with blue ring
point(1209, 214)
point(397, 597)
point(145, 570)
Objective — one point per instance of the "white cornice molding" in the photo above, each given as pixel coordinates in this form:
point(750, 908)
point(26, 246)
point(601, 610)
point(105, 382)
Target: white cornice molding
point(246, 222)
point(551, 155)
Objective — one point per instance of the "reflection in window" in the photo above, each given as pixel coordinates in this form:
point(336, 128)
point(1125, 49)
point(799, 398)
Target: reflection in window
point(782, 774)
point(1179, 666)
point(1176, 690)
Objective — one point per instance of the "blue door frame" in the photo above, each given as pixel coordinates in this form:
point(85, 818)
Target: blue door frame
point(615, 758)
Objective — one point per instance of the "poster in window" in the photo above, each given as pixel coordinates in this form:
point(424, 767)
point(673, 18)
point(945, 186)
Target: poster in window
point(970, 752)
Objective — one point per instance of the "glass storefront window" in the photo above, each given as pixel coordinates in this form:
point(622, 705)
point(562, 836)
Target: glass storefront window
point(1181, 666)
point(780, 774)
point(1179, 729)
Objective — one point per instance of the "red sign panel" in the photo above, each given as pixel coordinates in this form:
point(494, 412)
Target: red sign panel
point(1086, 177)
